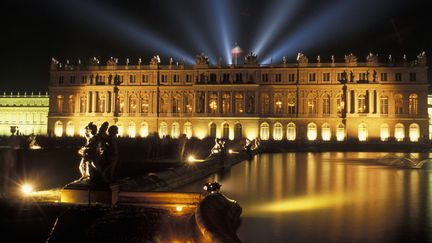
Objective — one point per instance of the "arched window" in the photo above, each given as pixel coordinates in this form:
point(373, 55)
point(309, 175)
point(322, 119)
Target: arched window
point(278, 104)
point(265, 103)
point(213, 103)
point(176, 105)
point(70, 129)
point(362, 103)
point(71, 104)
point(187, 129)
point(132, 130)
point(277, 131)
point(326, 104)
point(399, 132)
point(145, 104)
point(175, 130)
point(264, 131)
point(226, 101)
point(414, 132)
point(163, 129)
point(164, 104)
point(238, 131)
point(189, 103)
point(225, 130)
point(340, 105)
point(312, 104)
point(291, 105)
point(413, 104)
point(60, 101)
point(384, 105)
point(325, 132)
point(384, 132)
point(82, 104)
point(212, 130)
point(100, 107)
point(58, 129)
point(398, 104)
point(120, 129)
point(340, 132)
point(133, 104)
point(312, 131)
point(144, 129)
point(239, 103)
point(291, 131)
point(121, 104)
point(362, 132)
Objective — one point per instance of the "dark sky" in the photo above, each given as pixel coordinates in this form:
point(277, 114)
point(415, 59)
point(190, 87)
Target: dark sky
point(35, 31)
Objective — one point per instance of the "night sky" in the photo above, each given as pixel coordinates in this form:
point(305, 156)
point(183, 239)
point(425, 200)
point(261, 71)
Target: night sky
point(35, 31)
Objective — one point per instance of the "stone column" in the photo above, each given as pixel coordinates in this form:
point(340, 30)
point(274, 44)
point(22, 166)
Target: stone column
point(94, 102)
point(371, 101)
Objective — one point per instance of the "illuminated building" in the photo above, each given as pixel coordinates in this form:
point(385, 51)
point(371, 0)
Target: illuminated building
point(27, 113)
point(430, 115)
point(332, 101)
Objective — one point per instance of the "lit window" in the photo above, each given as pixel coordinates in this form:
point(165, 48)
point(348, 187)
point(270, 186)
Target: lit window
point(312, 131)
point(413, 104)
point(225, 130)
point(70, 130)
point(340, 132)
point(213, 130)
point(414, 132)
point(277, 131)
point(187, 129)
point(163, 130)
point(132, 130)
point(326, 104)
point(213, 103)
point(399, 132)
point(362, 132)
point(58, 129)
point(278, 104)
point(144, 130)
point(362, 103)
point(384, 105)
point(264, 131)
point(175, 130)
point(326, 132)
point(238, 131)
point(398, 104)
point(120, 129)
point(384, 132)
point(239, 103)
point(291, 131)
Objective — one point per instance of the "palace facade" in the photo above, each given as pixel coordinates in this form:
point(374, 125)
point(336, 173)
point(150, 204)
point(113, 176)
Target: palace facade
point(331, 101)
point(24, 114)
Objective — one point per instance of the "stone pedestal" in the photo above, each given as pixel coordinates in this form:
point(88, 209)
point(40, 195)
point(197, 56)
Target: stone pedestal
point(82, 192)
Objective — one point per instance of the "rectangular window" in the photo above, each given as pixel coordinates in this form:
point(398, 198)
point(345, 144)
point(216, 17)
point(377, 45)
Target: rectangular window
point(265, 78)
point(398, 76)
point(278, 77)
point(362, 76)
point(291, 77)
point(383, 76)
point(413, 76)
point(145, 79)
point(72, 79)
point(226, 77)
point(188, 78)
point(312, 77)
point(164, 78)
point(132, 79)
point(175, 78)
point(61, 80)
point(326, 77)
point(83, 79)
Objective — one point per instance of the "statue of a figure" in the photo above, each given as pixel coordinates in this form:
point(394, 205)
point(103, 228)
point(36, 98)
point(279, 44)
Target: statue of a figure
point(344, 76)
point(88, 152)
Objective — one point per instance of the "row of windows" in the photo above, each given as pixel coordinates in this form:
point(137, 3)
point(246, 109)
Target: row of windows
point(238, 103)
point(227, 77)
point(264, 131)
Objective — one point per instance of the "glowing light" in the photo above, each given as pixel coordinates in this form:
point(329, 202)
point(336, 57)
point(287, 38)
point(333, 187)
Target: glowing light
point(179, 208)
point(277, 131)
point(399, 132)
point(326, 132)
point(265, 131)
point(187, 129)
point(362, 132)
point(27, 189)
point(340, 132)
point(144, 130)
point(191, 159)
point(58, 129)
point(384, 132)
point(132, 130)
point(223, 18)
point(312, 132)
point(414, 132)
point(70, 130)
point(291, 131)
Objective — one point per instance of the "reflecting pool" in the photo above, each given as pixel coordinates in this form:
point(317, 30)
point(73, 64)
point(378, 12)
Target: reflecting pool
point(329, 197)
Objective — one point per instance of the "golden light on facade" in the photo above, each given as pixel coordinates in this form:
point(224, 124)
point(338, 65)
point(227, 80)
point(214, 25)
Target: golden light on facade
point(27, 189)
point(414, 132)
point(312, 132)
point(70, 129)
point(58, 129)
point(399, 132)
point(362, 132)
point(384, 132)
point(179, 208)
point(144, 130)
point(132, 130)
point(326, 132)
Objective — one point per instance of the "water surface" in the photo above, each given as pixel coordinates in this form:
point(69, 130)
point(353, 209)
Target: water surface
point(329, 197)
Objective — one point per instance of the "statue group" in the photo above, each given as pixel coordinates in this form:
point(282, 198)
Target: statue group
point(99, 155)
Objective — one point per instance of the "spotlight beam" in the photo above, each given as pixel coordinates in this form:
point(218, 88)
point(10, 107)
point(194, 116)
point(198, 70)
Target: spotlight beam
point(222, 18)
point(116, 25)
point(332, 24)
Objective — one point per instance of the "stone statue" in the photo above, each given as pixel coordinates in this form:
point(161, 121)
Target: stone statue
point(421, 59)
point(302, 59)
point(55, 64)
point(155, 60)
point(351, 60)
point(372, 60)
point(251, 104)
point(88, 152)
point(218, 148)
point(110, 155)
point(201, 59)
point(251, 59)
point(111, 62)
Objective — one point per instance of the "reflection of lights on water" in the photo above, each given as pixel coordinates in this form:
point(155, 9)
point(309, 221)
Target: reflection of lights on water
point(297, 204)
point(27, 189)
